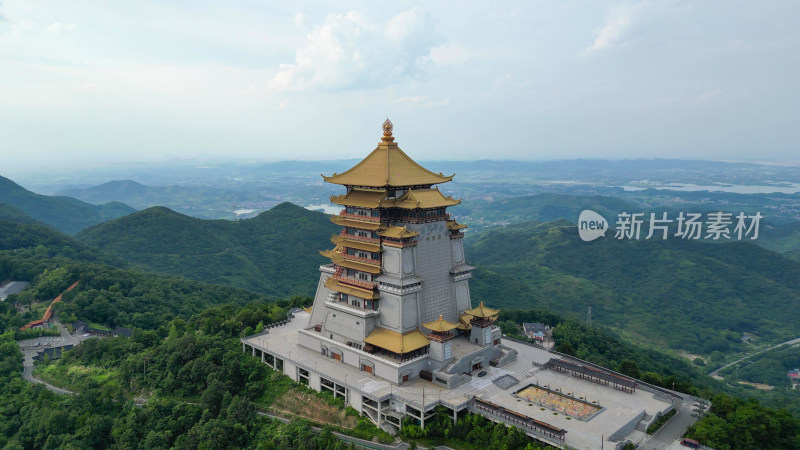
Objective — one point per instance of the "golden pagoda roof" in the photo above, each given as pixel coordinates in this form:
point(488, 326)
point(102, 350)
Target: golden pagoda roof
point(396, 342)
point(421, 198)
point(308, 309)
point(440, 325)
point(387, 166)
point(338, 239)
point(482, 312)
point(464, 321)
point(363, 267)
point(364, 198)
point(398, 233)
point(455, 226)
point(334, 285)
point(334, 252)
point(353, 223)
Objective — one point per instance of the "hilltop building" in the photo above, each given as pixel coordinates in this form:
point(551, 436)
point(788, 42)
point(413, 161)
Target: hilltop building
point(393, 329)
point(395, 296)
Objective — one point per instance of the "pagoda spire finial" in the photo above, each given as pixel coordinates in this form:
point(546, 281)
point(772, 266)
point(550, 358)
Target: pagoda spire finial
point(387, 132)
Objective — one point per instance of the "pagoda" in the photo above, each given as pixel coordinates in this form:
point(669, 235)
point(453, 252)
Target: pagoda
point(395, 294)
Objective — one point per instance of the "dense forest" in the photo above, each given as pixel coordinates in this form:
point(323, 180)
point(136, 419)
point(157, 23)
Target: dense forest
point(275, 253)
point(181, 380)
point(683, 295)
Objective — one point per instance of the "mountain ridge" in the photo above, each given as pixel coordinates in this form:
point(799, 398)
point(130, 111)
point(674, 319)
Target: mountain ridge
point(66, 214)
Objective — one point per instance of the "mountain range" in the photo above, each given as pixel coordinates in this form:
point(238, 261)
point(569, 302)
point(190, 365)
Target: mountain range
point(63, 213)
point(274, 253)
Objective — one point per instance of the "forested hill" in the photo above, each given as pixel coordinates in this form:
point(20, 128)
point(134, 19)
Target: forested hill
point(62, 213)
point(10, 214)
point(274, 253)
point(685, 295)
point(544, 207)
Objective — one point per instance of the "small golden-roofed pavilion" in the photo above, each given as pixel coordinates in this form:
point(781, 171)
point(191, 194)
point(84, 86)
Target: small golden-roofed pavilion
point(440, 329)
point(482, 312)
point(402, 346)
point(387, 166)
point(482, 316)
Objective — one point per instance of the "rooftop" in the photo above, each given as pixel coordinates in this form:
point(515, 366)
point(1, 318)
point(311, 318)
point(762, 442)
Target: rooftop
point(387, 166)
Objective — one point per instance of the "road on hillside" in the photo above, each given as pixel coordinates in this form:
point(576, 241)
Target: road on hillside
point(674, 428)
point(715, 374)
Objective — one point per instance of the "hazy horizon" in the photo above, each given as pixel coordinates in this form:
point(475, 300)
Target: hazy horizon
point(95, 83)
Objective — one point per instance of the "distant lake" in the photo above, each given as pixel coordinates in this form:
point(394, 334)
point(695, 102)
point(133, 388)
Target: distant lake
point(784, 188)
point(326, 208)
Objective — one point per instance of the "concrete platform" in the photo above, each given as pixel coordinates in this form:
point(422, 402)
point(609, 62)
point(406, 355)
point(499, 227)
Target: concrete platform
point(620, 414)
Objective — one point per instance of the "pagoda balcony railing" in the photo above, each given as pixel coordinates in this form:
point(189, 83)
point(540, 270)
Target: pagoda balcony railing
point(374, 262)
point(344, 213)
point(408, 218)
point(346, 307)
point(439, 337)
point(354, 237)
point(482, 322)
point(355, 281)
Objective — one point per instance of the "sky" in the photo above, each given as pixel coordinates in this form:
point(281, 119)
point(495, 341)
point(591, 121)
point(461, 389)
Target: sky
point(93, 82)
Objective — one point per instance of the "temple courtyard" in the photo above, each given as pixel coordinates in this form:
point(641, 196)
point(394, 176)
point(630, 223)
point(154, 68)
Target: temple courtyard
point(607, 414)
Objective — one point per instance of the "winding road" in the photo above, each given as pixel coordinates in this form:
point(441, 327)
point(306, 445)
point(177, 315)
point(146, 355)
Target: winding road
point(715, 374)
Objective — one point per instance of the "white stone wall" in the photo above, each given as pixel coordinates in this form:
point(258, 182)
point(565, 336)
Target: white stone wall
point(434, 258)
point(344, 326)
point(290, 369)
point(320, 311)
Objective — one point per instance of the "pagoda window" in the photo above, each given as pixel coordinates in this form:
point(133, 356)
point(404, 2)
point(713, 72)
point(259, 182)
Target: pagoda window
point(350, 210)
point(364, 276)
point(351, 272)
point(351, 251)
point(343, 298)
point(376, 256)
point(367, 304)
point(375, 235)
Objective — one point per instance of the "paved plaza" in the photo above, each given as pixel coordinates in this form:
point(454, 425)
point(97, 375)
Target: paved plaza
point(619, 409)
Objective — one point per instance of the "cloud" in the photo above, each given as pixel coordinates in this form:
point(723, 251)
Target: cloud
point(619, 24)
point(58, 27)
point(423, 101)
point(350, 51)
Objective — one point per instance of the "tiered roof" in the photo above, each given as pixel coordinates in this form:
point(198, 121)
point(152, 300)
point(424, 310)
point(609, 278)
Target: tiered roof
point(338, 239)
point(354, 223)
point(334, 285)
point(378, 198)
point(387, 166)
